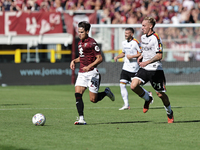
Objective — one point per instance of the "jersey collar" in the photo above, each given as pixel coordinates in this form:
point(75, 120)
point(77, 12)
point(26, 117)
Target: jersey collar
point(130, 40)
point(150, 34)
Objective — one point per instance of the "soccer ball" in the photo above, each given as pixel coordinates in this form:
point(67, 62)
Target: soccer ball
point(39, 119)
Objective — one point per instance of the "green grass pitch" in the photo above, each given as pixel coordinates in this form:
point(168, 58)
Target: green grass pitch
point(107, 128)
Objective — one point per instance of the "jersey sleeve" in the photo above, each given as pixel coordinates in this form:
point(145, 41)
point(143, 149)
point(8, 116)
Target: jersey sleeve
point(96, 48)
point(138, 46)
point(158, 44)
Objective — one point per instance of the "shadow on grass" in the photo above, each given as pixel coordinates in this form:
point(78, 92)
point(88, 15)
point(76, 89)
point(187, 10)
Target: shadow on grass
point(162, 107)
point(120, 122)
point(187, 121)
point(3, 147)
point(13, 104)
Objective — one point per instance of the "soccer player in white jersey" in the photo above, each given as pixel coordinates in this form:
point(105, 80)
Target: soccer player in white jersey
point(130, 52)
point(151, 68)
point(88, 77)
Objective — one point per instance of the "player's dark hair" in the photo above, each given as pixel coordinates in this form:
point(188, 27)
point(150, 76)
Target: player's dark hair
point(130, 29)
point(85, 25)
point(151, 20)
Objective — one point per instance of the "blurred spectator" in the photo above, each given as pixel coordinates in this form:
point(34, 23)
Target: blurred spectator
point(58, 6)
point(30, 6)
point(19, 4)
point(7, 4)
point(13, 6)
point(193, 18)
point(118, 18)
point(1, 6)
point(116, 11)
point(98, 5)
point(89, 4)
point(44, 6)
point(71, 4)
point(176, 18)
point(132, 19)
point(38, 4)
point(189, 4)
point(184, 16)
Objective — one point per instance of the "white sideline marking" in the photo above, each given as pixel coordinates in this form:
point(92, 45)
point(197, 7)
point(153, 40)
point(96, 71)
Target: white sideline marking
point(95, 108)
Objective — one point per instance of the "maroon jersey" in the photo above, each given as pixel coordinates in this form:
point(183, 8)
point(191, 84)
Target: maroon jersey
point(88, 50)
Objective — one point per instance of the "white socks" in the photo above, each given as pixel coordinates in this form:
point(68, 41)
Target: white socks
point(124, 94)
point(81, 118)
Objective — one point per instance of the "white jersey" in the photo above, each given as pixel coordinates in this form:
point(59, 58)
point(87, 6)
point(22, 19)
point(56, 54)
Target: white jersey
point(131, 48)
point(151, 45)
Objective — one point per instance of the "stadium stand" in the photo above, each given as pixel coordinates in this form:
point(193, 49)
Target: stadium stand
point(119, 11)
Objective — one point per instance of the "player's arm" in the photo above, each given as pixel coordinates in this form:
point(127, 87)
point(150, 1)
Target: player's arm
point(133, 56)
point(138, 48)
point(73, 62)
point(97, 61)
point(121, 55)
point(139, 59)
point(157, 57)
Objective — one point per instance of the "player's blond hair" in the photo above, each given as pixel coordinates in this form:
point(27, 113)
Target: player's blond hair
point(151, 20)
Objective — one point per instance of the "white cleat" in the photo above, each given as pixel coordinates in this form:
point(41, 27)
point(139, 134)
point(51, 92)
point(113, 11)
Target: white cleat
point(125, 108)
point(80, 122)
point(110, 94)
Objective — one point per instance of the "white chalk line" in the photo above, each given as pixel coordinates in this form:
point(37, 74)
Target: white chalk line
point(155, 107)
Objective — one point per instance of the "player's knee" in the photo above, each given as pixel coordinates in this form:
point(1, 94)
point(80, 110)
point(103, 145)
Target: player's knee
point(122, 85)
point(160, 94)
point(93, 100)
point(133, 86)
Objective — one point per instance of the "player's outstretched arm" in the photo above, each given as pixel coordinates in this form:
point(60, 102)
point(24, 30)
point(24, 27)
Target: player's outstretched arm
point(121, 55)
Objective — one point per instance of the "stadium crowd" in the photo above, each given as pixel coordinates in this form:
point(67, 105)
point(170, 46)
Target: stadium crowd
point(118, 11)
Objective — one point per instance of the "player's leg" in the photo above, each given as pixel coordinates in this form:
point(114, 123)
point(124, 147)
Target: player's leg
point(163, 96)
point(125, 78)
point(140, 78)
point(79, 90)
point(94, 84)
point(141, 92)
point(96, 97)
point(158, 83)
point(80, 87)
point(124, 94)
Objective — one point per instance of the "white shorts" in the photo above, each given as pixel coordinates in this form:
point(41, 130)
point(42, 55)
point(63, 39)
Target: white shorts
point(89, 79)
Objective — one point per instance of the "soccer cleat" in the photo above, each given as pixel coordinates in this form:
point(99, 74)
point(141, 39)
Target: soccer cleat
point(80, 122)
point(170, 118)
point(125, 108)
point(110, 94)
point(146, 104)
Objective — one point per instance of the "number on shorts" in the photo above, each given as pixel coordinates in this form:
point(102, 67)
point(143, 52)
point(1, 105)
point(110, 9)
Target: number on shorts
point(94, 82)
point(156, 85)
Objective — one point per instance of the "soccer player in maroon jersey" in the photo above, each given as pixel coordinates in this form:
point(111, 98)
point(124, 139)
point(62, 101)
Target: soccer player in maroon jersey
point(88, 76)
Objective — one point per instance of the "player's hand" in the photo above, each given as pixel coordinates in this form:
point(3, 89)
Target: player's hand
point(115, 58)
point(139, 60)
point(72, 65)
point(86, 69)
point(143, 64)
